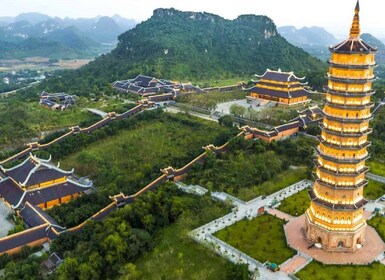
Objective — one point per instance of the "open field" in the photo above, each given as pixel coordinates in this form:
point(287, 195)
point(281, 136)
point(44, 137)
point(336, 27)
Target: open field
point(262, 238)
point(132, 158)
point(40, 63)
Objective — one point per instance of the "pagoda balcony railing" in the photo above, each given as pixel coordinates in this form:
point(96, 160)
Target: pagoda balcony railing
point(345, 134)
point(343, 174)
point(350, 80)
point(362, 184)
point(347, 120)
point(350, 106)
point(352, 66)
point(342, 159)
point(344, 147)
point(348, 93)
point(336, 206)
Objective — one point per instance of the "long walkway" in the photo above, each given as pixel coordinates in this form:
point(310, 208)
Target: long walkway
point(249, 210)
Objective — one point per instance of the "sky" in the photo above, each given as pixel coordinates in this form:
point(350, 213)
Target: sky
point(335, 16)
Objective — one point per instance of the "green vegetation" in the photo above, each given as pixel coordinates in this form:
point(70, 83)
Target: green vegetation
point(134, 239)
point(376, 167)
point(176, 255)
point(262, 238)
point(378, 222)
point(166, 46)
point(296, 204)
point(211, 99)
point(127, 155)
point(32, 120)
point(374, 190)
point(318, 271)
point(377, 149)
point(253, 168)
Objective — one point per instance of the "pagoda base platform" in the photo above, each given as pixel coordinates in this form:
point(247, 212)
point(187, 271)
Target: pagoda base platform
point(336, 241)
point(371, 249)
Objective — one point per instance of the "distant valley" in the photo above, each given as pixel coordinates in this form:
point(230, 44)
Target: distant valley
point(34, 34)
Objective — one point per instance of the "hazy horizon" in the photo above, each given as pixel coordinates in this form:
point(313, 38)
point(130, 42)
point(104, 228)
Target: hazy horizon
point(334, 16)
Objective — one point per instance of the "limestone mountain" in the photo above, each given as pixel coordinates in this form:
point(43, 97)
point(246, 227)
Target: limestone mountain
point(189, 45)
point(307, 36)
point(314, 40)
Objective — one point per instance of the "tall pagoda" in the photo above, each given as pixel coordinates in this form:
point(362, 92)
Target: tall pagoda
point(335, 217)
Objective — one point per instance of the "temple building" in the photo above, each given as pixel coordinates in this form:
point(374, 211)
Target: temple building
point(282, 87)
point(335, 217)
point(39, 182)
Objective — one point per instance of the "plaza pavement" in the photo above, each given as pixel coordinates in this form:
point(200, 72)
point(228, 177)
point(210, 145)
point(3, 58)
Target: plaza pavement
point(5, 224)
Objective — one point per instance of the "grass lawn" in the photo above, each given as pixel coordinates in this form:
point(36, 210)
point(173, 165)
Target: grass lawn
point(279, 182)
point(318, 271)
point(177, 256)
point(132, 158)
point(376, 167)
point(262, 238)
point(297, 204)
point(210, 99)
point(374, 190)
point(378, 222)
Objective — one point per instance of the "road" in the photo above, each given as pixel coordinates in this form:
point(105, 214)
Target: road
point(175, 110)
point(16, 90)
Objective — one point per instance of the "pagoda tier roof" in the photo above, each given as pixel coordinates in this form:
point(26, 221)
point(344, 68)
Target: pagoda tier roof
point(349, 94)
point(336, 187)
point(34, 171)
point(337, 173)
point(336, 206)
point(344, 147)
point(353, 45)
point(279, 93)
point(350, 106)
point(280, 76)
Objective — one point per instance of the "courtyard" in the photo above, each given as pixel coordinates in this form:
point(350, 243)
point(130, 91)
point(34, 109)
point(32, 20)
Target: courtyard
point(5, 224)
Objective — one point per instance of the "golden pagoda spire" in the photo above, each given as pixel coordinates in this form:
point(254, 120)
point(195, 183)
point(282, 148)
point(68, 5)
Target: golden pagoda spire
point(355, 29)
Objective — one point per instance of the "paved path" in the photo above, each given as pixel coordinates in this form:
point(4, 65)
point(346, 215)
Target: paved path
point(279, 214)
point(172, 109)
point(375, 177)
point(295, 264)
point(97, 112)
point(247, 210)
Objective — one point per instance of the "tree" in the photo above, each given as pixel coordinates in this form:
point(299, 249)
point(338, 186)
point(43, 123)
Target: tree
point(226, 121)
point(239, 272)
point(237, 110)
point(129, 272)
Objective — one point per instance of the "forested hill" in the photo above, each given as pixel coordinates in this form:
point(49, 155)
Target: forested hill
point(188, 45)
